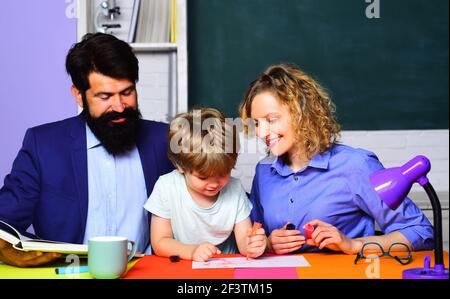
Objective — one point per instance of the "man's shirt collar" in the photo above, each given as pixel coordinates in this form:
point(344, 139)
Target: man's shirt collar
point(91, 139)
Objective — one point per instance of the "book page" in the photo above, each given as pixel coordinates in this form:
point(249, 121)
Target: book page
point(9, 233)
point(261, 262)
point(50, 246)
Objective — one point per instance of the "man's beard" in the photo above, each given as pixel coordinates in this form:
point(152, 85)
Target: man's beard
point(116, 138)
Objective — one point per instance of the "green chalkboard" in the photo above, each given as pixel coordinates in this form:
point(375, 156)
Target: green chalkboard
point(387, 73)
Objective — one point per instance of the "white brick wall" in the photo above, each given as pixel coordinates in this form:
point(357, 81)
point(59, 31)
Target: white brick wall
point(252, 150)
point(153, 86)
point(394, 148)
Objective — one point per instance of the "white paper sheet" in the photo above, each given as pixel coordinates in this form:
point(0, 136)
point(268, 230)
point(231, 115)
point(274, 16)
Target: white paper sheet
point(261, 262)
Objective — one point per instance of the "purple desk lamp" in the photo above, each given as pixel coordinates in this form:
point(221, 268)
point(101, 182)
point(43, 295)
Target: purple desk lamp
point(392, 186)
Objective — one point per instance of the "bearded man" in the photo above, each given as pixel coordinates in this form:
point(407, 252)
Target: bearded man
point(89, 175)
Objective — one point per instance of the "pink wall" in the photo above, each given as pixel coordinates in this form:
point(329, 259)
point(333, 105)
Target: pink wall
point(34, 87)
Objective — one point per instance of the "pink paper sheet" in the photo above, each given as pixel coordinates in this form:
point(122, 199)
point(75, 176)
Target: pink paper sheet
point(265, 273)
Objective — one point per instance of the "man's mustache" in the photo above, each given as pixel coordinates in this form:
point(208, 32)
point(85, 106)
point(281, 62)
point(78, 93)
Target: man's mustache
point(114, 115)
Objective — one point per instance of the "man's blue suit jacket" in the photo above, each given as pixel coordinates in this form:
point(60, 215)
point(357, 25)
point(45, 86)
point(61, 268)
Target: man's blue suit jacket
point(48, 183)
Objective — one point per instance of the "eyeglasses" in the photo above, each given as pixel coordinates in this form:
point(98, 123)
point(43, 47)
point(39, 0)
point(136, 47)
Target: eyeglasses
point(398, 251)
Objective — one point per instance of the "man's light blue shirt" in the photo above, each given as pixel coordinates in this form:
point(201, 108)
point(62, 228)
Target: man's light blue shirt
point(117, 194)
point(335, 188)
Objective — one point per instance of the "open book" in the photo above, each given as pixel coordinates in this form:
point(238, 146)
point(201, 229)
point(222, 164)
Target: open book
point(28, 242)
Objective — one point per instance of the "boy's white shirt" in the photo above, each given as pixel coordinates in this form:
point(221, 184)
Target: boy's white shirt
point(192, 224)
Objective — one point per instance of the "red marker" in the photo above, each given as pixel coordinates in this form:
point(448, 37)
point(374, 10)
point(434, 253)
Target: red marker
point(309, 229)
point(256, 226)
point(267, 140)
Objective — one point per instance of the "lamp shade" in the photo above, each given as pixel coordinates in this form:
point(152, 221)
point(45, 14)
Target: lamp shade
point(393, 184)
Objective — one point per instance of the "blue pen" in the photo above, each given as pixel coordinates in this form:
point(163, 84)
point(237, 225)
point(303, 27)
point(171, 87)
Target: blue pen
point(71, 270)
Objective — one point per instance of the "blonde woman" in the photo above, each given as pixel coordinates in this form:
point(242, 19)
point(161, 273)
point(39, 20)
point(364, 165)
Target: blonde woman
point(311, 180)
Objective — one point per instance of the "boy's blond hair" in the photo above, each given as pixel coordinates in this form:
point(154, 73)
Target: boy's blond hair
point(203, 141)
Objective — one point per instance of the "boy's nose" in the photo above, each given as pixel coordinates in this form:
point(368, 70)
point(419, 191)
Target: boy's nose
point(214, 185)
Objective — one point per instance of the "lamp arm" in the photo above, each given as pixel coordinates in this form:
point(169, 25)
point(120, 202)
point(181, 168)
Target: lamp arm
point(437, 221)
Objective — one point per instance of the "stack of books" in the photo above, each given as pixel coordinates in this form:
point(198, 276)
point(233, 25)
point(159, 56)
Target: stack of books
point(153, 21)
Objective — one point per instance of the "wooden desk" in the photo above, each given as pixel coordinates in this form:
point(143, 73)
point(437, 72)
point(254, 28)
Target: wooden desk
point(323, 266)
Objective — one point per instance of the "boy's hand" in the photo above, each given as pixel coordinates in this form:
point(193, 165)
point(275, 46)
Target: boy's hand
point(204, 251)
point(256, 244)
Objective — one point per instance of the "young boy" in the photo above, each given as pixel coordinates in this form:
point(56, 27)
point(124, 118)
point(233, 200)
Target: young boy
point(197, 207)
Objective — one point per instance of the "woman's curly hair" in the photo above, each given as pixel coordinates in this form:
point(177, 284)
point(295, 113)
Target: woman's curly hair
point(311, 108)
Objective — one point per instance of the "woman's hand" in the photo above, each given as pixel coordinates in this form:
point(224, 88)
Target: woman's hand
point(327, 236)
point(256, 244)
point(282, 241)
